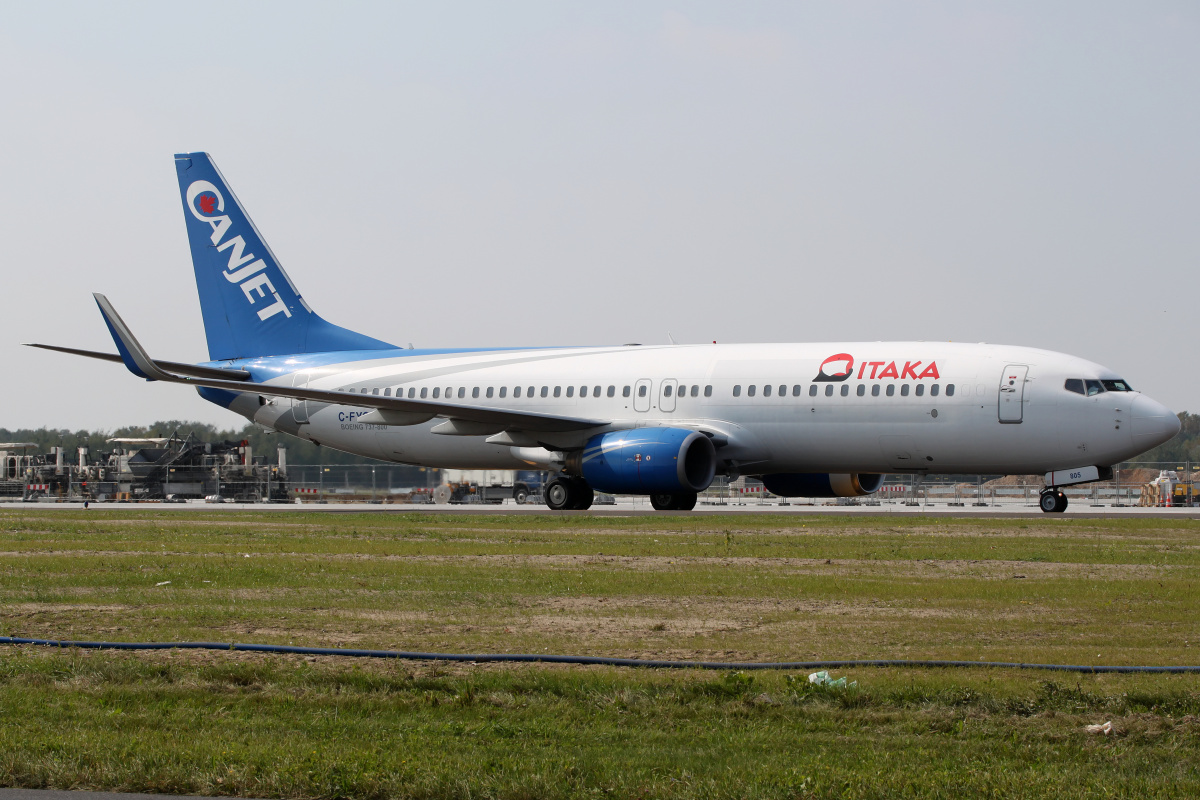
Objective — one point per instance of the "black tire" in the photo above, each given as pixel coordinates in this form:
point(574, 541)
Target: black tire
point(1053, 502)
point(520, 495)
point(558, 494)
point(663, 502)
point(583, 494)
point(685, 501)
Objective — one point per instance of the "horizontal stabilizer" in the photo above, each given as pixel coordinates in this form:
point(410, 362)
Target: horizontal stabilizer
point(168, 366)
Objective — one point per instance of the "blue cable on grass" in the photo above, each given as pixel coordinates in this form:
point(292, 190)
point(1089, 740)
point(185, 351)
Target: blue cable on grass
point(553, 659)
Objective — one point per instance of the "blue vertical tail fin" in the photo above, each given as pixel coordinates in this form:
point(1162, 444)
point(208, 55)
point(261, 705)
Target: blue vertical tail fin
point(250, 306)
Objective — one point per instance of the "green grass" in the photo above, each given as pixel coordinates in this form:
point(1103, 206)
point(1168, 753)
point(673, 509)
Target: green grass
point(720, 588)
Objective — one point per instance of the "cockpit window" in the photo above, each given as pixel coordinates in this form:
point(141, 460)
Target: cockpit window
point(1117, 386)
point(1074, 385)
point(1094, 387)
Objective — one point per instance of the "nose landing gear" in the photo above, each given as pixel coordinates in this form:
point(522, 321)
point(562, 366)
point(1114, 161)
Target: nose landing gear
point(1053, 501)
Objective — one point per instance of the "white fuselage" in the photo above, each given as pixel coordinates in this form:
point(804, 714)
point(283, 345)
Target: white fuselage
point(833, 407)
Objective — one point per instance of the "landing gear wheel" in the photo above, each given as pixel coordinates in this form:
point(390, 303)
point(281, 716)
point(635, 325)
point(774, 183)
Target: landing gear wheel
point(558, 494)
point(663, 502)
point(582, 494)
point(680, 501)
point(1053, 501)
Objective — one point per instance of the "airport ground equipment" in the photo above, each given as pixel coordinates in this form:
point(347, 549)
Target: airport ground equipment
point(169, 468)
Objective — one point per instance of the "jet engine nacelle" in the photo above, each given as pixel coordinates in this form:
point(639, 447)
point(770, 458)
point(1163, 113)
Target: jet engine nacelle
point(821, 484)
point(646, 461)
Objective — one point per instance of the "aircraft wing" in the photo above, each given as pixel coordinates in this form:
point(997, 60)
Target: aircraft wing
point(135, 358)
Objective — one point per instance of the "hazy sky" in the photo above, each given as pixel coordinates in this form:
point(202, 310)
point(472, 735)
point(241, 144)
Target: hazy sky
point(486, 174)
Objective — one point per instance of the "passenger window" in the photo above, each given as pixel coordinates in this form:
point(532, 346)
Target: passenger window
point(516, 391)
point(695, 390)
point(437, 392)
point(862, 389)
point(642, 390)
point(462, 392)
point(595, 391)
point(545, 391)
point(708, 391)
point(489, 392)
point(875, 390)
point(570, 391)
point(750, 390)
point(557, 391)
point(1074, 385)
point(767, 390)
point(375, 391)
point(891, 390)
point(737, 390)
point(904, 390)
point(920, 389)
point(796, 390)
point(448, 392)
point(364, 390)
point(829, 390)
point(612, 391)
point(625, 391)
point(949, 390)
point(1094, 388)
point(412, 390)
point(933, 390)
point(503, 392)
point(529, 392)
point(812, 390)
point(387, 392)
point(475, 392)
point(583, 391)
point(845, 390)
point(667, 390)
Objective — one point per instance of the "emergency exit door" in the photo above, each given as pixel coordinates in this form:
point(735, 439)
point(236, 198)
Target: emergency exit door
point(1012, 393)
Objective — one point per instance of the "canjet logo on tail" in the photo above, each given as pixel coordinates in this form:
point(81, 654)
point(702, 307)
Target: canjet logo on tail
point(242, 268)
point(840, 367)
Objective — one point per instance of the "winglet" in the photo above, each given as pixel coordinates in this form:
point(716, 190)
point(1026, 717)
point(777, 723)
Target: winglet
point(135, 358)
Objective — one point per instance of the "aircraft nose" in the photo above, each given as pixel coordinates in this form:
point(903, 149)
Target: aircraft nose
point(1153, 423)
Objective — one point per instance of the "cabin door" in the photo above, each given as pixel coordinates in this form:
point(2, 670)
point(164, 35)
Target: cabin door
point(1012, 393)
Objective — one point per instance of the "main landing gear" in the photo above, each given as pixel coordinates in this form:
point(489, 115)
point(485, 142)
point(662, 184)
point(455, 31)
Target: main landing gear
point(1053, 501)
point(682, 501)
point(568, 494)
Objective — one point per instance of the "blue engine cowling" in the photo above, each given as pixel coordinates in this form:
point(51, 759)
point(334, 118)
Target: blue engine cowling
point(821, 484)
point(647, 461)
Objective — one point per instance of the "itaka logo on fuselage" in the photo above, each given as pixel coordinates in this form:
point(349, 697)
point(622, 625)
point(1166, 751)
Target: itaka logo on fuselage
point(840, 367)
point(242, 270)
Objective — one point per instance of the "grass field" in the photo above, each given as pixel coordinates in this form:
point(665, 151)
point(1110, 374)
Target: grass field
point(714, 588)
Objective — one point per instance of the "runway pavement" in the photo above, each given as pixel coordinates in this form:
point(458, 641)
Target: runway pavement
point(639, 506)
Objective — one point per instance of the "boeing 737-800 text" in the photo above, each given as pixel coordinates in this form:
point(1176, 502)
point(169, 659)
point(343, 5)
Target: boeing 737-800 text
point(811, 420)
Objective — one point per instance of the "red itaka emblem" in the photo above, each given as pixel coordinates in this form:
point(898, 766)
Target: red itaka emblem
point(208, 203)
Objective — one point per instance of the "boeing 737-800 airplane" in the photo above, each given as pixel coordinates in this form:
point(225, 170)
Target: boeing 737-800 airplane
point(811, 420)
